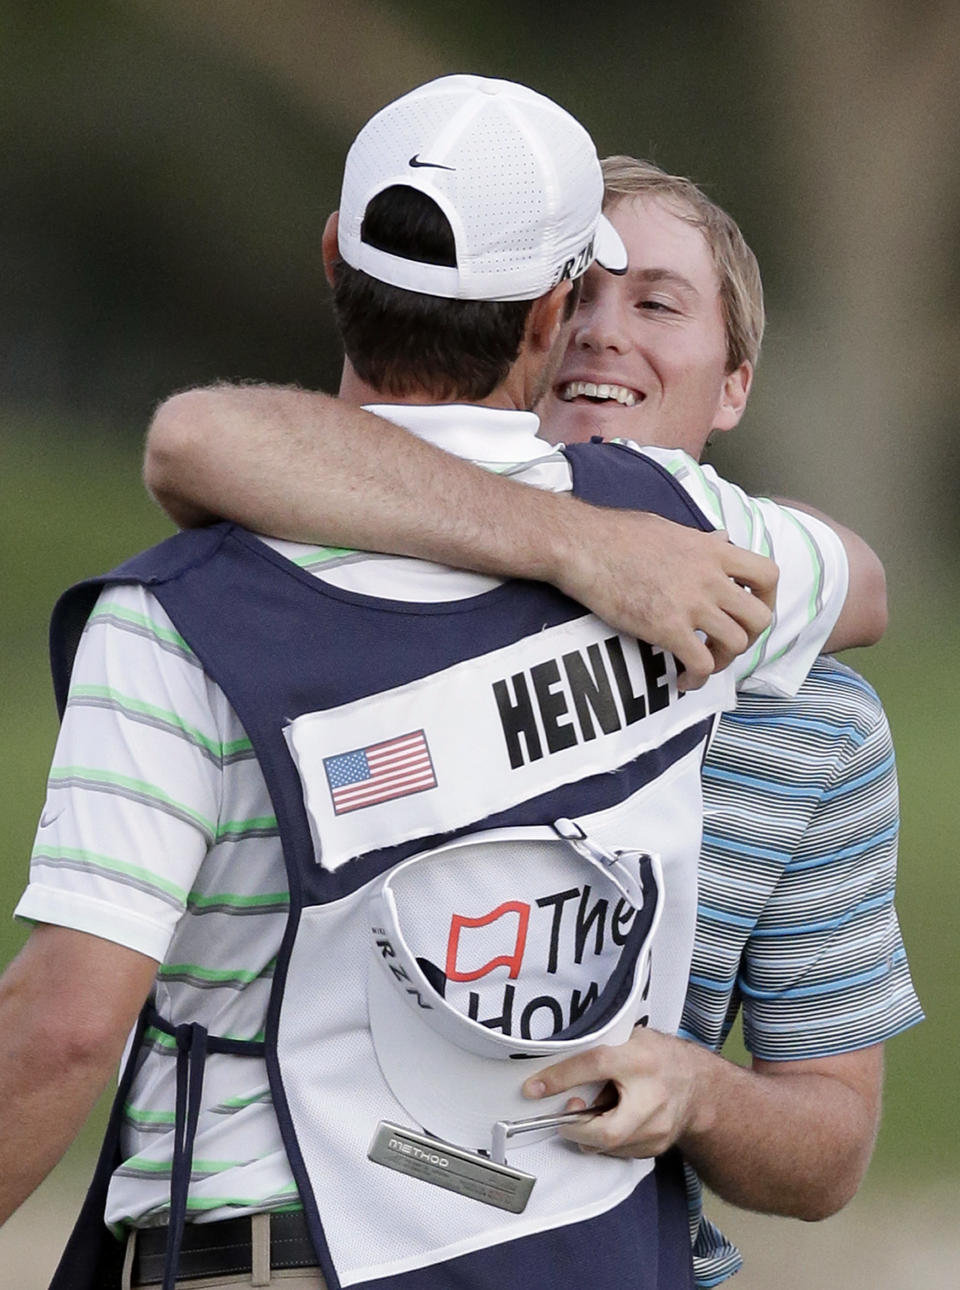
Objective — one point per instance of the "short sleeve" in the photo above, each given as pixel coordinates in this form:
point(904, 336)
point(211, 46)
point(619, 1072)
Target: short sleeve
point(133, 795)
point(825, 970)
point(813, 573)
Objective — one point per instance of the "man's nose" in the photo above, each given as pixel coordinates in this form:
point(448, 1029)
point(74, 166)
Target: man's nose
point(601, 327)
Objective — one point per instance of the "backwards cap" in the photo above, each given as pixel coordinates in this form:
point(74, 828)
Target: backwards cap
point(516, 176)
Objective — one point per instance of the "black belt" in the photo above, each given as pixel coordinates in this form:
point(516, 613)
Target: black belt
point(220, 1249)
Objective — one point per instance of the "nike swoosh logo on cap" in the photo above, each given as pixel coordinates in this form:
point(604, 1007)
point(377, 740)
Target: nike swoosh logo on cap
point(434, 165)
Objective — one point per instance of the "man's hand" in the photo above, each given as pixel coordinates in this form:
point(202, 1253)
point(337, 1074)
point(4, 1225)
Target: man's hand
point(692, 593)
point(788, 1137)
point(650, 1099)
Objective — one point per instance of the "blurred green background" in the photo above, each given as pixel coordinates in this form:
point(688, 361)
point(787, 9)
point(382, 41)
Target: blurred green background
point(168, 166)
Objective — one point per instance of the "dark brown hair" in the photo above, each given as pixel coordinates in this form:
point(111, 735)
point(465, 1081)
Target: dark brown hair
point(403, 342)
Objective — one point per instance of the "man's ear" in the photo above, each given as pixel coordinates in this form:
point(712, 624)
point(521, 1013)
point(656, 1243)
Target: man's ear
point(331, 252)
point(547, 317)
point(733, 396)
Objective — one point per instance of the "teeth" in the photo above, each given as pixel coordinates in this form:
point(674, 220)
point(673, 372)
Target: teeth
point(620, 393)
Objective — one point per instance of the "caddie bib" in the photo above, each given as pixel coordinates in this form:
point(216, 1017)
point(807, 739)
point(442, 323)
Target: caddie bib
point(448, 737)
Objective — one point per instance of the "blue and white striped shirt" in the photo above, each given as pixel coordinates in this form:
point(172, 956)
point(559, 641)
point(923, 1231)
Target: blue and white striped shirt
point(796, 924)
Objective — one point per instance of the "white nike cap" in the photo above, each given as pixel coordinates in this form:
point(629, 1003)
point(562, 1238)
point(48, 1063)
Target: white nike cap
point(516, 176)
point(545, 938)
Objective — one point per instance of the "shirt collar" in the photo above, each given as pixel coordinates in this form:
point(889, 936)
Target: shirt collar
point(493, 435)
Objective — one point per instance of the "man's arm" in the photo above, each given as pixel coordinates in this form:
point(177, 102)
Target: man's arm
point(793, 1134)
point(791, 1138)
point(67, 1004)
point(863, 619)
point(308, 467)
point(798, 538)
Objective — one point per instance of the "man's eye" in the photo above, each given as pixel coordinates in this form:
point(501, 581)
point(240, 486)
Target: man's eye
point(654, 306)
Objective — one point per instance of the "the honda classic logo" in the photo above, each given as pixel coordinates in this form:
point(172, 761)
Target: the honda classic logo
point(531, 968)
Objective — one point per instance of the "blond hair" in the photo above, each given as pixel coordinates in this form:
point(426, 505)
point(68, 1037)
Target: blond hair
point(741, 291)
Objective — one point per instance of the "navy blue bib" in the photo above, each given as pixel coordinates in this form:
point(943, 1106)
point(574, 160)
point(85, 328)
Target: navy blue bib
point(296, 645)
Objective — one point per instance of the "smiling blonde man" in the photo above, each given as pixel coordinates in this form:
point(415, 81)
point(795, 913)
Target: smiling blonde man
point(668, 357)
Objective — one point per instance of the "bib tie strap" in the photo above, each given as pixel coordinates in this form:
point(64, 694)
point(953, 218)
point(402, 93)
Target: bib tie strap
point(193, 1045)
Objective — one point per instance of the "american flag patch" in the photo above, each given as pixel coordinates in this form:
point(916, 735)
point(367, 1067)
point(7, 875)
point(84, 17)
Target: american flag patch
point(379, 773)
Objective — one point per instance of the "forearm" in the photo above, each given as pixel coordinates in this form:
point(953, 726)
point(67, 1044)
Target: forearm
point(66, 1005)
point(44, 1105)
point(46, 1094)
point(308, 467)
point(311, 468)
point(796, 1143)
point(784, 1138)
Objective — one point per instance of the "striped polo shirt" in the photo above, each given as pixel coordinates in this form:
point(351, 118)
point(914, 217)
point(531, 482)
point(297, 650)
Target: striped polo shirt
point(796, 923)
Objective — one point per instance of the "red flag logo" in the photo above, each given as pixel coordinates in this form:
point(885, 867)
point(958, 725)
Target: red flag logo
point(513, 939)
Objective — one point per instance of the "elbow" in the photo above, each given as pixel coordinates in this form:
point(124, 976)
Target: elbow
point(173, 456)
point(863, 619)
point(876, 612)
point(57, 1045)
point(838, 1180)
point(866, 606)
point(81, 1027)
point(170, 440)
point(88, 1047)
point(826, 1202)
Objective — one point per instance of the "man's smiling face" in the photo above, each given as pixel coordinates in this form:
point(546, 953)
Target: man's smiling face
point(647, 358)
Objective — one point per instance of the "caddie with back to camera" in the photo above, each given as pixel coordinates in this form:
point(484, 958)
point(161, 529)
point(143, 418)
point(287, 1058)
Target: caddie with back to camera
point(359, 841)
point(797, 870)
